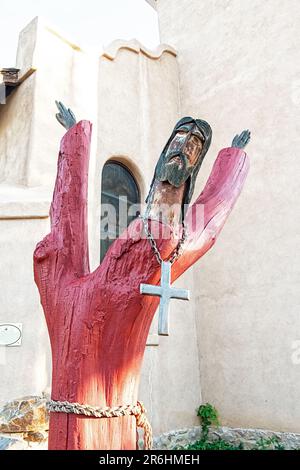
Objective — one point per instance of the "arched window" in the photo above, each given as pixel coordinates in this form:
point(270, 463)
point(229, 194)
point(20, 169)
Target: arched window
point(120, 200)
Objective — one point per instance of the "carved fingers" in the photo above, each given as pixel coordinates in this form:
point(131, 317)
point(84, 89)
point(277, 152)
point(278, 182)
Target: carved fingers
point(65, 116)
point(241, 140)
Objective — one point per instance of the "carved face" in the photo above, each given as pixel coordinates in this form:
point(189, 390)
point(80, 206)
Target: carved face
point(181, 155)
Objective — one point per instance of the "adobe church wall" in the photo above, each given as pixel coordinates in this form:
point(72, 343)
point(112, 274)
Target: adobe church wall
point(239, 69)
point(23, 369)
point(16, 121)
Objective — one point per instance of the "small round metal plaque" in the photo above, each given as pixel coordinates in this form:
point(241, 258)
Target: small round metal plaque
point(10, 334)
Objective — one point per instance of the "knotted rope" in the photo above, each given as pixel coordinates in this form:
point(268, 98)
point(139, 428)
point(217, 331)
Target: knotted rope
point(137, 410)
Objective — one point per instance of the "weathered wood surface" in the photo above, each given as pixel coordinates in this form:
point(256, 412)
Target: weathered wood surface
point(98, 321)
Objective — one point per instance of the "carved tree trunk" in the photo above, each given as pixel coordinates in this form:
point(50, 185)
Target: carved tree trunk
point(98, 322)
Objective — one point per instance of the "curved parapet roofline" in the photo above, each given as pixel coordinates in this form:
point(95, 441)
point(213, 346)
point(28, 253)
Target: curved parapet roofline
point(134, 45)
point(153, 4)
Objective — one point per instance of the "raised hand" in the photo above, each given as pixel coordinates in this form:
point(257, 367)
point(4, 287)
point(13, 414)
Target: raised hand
point(240, 141)
point(65, 116)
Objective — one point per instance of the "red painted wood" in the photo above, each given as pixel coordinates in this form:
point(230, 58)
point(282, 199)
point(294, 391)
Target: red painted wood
point(98, 322)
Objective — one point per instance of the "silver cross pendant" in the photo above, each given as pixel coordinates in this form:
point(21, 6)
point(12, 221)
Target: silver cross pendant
point(165, 292)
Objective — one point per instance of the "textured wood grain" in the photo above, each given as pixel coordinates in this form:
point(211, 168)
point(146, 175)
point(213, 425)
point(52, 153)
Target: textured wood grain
point(98, 321)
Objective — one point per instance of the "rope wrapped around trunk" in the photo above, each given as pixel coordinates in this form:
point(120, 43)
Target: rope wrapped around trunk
point(137, 410)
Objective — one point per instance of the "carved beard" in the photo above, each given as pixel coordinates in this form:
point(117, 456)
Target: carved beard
point(175, 170)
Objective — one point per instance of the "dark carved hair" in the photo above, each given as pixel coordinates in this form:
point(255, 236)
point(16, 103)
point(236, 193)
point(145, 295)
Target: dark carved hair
point(206, 132)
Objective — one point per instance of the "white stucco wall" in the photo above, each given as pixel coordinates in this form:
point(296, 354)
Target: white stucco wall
point(23, 369)
point(15, 134)
point(239, 68)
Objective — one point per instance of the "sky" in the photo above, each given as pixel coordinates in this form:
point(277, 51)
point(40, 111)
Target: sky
point(90, 24)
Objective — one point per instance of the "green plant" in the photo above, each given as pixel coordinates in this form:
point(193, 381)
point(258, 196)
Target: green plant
point(271, 443)
point(208, 416)
point(218, 444)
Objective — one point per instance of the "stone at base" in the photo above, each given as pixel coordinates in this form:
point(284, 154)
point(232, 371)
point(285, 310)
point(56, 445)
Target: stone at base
point(11, 442)
point(27, 414)
point(249, 437)
point(37, 437)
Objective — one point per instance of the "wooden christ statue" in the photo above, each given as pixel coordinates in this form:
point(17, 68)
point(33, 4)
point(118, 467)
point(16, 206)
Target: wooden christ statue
point(98, 321)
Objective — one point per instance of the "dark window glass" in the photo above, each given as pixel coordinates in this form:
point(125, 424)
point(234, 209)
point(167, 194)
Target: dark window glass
point(119, 192)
